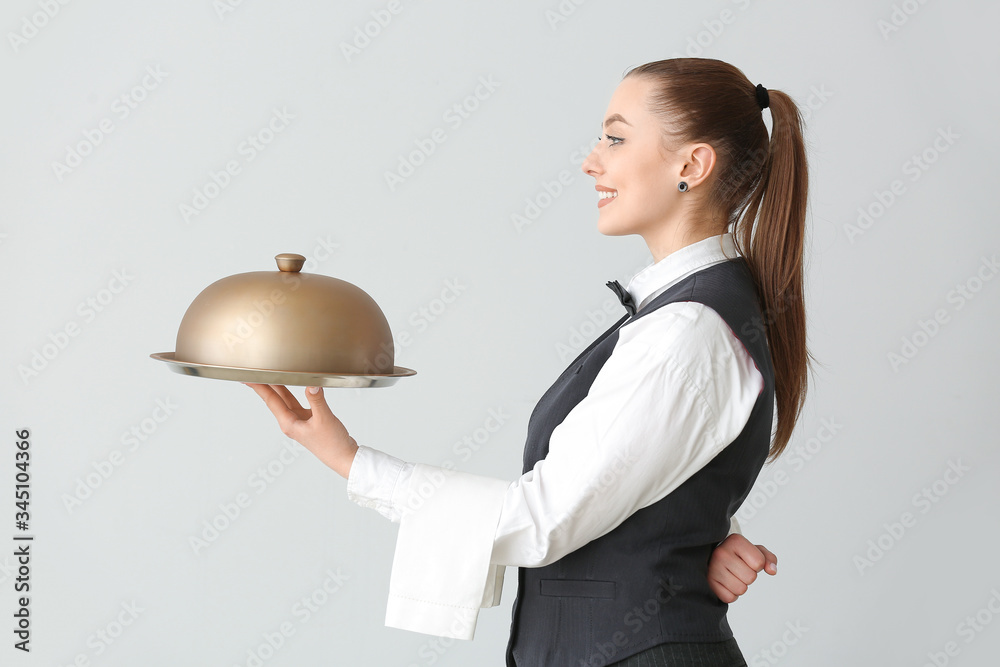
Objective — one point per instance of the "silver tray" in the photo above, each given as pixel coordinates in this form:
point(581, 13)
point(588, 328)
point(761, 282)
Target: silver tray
point(293, 378)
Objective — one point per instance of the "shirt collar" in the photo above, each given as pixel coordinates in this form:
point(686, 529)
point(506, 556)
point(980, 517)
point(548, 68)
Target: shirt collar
point(678, 265)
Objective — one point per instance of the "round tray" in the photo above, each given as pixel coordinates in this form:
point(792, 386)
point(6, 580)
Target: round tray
point(293, 378)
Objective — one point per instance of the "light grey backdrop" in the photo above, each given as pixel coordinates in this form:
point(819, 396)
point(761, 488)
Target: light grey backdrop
point(885, 557)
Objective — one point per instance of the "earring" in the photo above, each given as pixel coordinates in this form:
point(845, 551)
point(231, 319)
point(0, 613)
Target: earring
point(682, 186)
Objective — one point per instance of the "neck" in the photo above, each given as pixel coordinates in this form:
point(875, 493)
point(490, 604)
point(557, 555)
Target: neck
point(662, 245)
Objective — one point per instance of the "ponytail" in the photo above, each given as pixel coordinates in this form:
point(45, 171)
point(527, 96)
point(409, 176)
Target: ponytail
point(773, 248)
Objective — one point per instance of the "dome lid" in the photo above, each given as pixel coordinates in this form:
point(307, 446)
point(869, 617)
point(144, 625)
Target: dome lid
point(286, 327)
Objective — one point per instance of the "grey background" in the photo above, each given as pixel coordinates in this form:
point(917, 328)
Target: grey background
point(873, 100)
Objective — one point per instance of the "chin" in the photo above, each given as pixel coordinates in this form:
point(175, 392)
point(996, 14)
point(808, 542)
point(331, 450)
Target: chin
point(610, 227)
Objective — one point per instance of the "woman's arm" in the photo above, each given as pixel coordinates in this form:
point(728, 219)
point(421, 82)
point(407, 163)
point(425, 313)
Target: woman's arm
point(678, 388)
point(733, 567)
point(673, 394)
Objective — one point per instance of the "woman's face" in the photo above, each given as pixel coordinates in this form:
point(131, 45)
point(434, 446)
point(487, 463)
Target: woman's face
point(631, 160)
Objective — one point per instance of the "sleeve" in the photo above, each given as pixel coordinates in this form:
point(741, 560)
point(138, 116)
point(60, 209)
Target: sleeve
point(377, 480)
point(655, 414)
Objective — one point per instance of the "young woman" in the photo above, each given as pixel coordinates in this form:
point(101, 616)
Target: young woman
point(641, 452)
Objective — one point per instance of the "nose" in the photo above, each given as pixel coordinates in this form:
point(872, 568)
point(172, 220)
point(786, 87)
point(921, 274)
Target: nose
point(592, 163)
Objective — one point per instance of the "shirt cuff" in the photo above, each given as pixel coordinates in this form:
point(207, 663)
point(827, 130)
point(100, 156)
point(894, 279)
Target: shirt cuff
point(734, 526)
point(377, 480)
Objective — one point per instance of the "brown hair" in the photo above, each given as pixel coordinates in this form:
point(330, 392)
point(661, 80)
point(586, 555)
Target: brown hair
point(758, 180)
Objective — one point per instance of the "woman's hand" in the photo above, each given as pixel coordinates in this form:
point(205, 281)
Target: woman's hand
point(315, 427)
point(734, 566)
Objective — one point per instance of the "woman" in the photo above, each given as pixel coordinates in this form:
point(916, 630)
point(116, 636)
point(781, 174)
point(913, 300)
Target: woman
point(642, 450)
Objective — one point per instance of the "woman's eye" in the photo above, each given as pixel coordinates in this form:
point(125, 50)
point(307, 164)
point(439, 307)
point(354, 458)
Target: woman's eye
point(615, 140)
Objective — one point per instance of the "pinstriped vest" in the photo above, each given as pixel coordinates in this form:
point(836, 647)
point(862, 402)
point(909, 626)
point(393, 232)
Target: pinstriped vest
point(645, 582)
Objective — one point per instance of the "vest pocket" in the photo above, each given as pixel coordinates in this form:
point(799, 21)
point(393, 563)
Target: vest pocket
point(576, 588)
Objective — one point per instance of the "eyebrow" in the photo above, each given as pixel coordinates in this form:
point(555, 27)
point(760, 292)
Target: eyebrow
point(615, 117)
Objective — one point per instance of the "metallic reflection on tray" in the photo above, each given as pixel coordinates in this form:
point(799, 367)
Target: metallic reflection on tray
point(282, 377)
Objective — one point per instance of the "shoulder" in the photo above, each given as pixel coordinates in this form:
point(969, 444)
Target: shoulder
point(689, 326)
point(695, 338)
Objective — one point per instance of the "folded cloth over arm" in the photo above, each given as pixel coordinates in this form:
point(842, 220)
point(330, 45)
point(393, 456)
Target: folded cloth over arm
point(442, 550)
point(441, 571)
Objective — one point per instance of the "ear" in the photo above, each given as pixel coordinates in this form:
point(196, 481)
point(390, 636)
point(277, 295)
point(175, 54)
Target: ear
point(698, 165)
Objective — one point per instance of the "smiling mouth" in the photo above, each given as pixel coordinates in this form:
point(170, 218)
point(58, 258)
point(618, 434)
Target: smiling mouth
point(606, 198)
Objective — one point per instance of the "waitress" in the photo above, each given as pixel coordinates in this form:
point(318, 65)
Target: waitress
point(641, 452)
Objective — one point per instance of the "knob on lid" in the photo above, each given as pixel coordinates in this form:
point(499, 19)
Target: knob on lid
point(290, 262)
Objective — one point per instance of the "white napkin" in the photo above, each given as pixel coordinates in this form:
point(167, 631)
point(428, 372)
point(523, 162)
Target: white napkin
point(441, 571)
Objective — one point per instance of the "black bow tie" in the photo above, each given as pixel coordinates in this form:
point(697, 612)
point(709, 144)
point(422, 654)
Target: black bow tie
point(623, 296)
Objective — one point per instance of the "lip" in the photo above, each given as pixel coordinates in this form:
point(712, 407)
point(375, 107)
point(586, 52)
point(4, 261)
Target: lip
point(604, 202)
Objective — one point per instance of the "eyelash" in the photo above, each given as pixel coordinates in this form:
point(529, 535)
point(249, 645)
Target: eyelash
point(618, 140)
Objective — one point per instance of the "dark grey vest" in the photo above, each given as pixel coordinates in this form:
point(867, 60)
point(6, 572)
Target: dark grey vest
point(645, 582)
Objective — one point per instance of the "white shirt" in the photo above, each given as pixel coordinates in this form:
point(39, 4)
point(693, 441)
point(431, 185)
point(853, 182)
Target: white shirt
point(677, 388)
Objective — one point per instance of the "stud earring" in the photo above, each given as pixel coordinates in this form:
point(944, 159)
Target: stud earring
point(682, 186)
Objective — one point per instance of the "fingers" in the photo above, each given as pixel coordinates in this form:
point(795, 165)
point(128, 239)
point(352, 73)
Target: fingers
point(287, 396)
point(771, 566)
point(739, 569)
point(317, 402)
point(730, 577)
point(726, 586)
point(738, 547)
point(722, 592)
point(261, 390)
point(276, 404)
point(757, 556)
point(734, 565)
point(750, 553)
